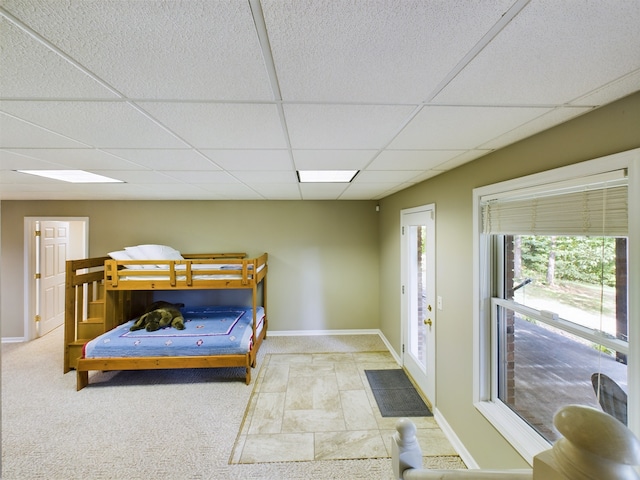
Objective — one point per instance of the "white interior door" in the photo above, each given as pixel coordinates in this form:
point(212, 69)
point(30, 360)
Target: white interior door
point(418, 297)
point(54, 245)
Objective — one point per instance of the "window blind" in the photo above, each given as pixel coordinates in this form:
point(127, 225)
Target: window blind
point(593, 209)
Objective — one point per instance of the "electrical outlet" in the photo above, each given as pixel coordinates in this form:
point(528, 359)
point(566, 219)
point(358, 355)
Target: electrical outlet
point(439, 302)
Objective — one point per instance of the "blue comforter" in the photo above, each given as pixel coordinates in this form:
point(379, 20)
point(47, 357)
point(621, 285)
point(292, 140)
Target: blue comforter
point(208, 331)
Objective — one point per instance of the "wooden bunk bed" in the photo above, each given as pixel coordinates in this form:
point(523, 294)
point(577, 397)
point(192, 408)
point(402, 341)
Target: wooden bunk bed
point(103, 293)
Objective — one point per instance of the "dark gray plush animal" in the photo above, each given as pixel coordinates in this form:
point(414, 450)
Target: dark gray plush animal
point(159, 315)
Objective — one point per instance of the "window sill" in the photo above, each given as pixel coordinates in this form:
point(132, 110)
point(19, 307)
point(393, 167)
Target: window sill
point(524, 439)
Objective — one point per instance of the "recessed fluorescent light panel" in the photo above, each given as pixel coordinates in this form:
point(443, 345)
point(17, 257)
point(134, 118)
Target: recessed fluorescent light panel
point(326, 176)
point(72, 176)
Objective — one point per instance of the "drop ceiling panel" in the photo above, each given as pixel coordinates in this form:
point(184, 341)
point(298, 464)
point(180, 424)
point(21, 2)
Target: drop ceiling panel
point(412, 159)
point(158, 49)
point(322, 191)
point(222, 125)
point(332, 159)
point(17, 133)
point(440, 127)
point(380, 176)
point(374, 51)
point(250, 159)
point(12, 177)
point(142, 177)
point(236, 191)
point(78, 158)
point(537, 125)
point(255, 176)
point(98, 124)
point(278, 191)
point(172, 191)
point(551, 53)
point(611, 91)
point(461, 160)
point(366, 190)
point(30, 69)
point(202, 177)
point(343, 126)
point(165, 159)
point(420, 178)
point(12, 161)
point(98, 191)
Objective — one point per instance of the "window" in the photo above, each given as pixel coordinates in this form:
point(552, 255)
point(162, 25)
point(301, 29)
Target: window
point(553, 263)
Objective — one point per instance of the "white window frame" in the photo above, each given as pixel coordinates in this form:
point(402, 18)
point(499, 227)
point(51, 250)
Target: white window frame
point(525, 440)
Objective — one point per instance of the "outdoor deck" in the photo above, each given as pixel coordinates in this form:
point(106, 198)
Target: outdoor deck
point(553, 370)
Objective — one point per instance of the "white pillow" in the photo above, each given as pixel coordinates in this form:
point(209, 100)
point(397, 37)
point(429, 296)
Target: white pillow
point(123, 255)
point(160, 252)
point(153, 252)
point(135, 253)
point(119, 255)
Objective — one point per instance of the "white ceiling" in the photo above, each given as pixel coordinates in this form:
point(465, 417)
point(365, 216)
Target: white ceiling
point(226, 99)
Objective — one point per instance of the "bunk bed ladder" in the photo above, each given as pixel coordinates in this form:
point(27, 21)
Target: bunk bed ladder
point(84, 306)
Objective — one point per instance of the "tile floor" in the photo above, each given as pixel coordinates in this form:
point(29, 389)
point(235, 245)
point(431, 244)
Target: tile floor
point(309, 407)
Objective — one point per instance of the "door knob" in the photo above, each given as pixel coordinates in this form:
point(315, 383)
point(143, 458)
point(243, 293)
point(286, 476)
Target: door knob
point(428, 322)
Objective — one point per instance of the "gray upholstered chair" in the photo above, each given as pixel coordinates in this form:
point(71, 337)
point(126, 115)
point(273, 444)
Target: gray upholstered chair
point(612, 398)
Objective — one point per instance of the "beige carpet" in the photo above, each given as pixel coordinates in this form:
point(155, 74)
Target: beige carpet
point(313, 407)
point(159, 424)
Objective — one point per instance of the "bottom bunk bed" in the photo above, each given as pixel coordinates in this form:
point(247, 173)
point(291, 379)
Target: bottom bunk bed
point(213, 337)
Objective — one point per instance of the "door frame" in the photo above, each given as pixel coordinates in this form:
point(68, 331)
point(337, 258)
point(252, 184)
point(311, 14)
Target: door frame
point(430, 388)
point(79, 248)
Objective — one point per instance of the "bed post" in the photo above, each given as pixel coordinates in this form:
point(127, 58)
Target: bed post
point(264, 300)
point(82, 379)
point(69, 314)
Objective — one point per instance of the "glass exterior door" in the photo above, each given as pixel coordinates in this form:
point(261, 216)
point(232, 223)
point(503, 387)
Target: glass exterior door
point(418, 245)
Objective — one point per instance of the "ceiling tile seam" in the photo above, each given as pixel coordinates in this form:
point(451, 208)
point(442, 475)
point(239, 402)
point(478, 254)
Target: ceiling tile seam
point(142, 101)
point(287, 139)
point(265, 46)
point(492, 105)
point(270, 66)
point(46, 43)
point(504, 20)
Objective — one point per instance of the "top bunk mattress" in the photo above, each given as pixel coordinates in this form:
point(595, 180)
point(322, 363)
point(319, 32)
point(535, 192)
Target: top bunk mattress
point(208, 331)
point(199, 271)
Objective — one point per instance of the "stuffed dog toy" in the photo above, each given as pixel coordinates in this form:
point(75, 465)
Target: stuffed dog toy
point(159, 315)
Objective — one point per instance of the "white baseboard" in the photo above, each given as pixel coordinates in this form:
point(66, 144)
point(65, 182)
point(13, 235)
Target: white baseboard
point(309, 333)
point(454, 440)
point(392, 351)
point(13, 339)
point(303, 333)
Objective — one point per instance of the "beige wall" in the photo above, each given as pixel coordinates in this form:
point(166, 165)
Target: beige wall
point(323, 256)
point(608, 130)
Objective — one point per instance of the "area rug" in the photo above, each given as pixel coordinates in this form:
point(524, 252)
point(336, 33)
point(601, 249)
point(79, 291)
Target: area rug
point(395, 394)
point(314, 407)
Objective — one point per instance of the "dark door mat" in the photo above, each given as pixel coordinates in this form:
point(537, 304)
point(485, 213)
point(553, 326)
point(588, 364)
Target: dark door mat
point(395, 394)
